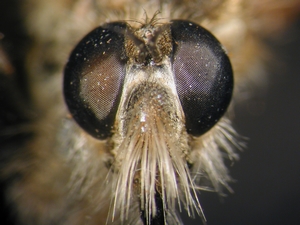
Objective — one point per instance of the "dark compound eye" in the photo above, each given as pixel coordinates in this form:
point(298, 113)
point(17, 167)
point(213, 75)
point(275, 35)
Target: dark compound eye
point(95, 73)
point(94, 78)
point(203, 75)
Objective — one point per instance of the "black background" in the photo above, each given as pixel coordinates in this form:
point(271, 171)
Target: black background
point(267, 187)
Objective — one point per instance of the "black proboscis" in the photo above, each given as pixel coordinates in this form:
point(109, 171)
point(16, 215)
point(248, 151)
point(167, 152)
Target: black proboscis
point(159, 218)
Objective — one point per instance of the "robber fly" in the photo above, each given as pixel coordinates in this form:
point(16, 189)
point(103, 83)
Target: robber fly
point(127, 112)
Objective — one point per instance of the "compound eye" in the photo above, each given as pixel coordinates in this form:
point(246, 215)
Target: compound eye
point(94, 77)
point(203, 75)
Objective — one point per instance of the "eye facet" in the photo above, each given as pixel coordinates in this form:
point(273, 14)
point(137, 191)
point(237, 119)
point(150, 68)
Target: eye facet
point(203, 75)
point(95, 73)
point(94, 77)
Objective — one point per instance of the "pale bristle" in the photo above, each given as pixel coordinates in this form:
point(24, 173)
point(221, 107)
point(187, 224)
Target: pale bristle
point(209, 157)
point(158, 161)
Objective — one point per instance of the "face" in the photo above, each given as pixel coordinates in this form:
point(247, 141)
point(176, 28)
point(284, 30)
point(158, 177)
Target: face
point(152, 91)
point(129, 112)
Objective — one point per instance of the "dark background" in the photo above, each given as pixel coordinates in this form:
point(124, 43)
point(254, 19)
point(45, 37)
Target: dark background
point(267, 187)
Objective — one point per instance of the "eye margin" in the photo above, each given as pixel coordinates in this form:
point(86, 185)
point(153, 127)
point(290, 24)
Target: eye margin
point(198, 123)
point(85, 49)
